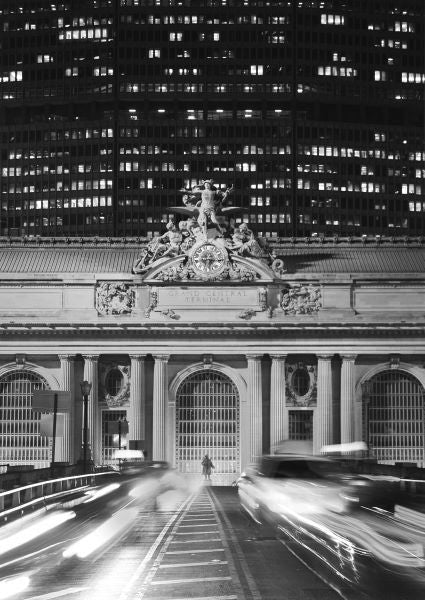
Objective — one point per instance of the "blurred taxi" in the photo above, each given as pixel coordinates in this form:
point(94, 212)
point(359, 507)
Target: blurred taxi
point(353, 526)
point(281, 483)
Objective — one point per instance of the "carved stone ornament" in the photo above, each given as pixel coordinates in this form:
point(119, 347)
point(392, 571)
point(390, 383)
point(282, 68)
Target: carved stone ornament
point(394, 362)
point(122, 395)
point(153, 303)
point(247, 314)
point(301, 299)
point(114, 298)
point(301, 384)
point(207, 246)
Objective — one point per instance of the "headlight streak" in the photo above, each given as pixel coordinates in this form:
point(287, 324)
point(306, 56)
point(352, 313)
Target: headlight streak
point(102, 492)
point(13, 586)
point(365, 539)
point(315, 552)
point(32, 554)
point(111, 530)
point(25, 535)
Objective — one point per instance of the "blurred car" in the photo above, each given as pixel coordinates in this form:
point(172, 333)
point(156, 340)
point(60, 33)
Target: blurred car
point(346, 524)
point(310, 484)
point(280, 483)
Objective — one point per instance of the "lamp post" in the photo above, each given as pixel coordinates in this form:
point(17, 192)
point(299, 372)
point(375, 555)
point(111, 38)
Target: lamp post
point(85, 391)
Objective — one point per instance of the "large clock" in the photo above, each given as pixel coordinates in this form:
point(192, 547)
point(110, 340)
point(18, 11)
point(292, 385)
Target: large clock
point(208, 259)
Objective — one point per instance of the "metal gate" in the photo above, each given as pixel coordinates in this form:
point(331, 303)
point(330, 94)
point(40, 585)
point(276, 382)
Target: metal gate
point(207, 422)
point(394, 418)
point(21, 442)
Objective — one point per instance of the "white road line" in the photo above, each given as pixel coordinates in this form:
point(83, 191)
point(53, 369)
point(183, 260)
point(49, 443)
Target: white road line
point(198, 551)
point(152, 550)
point(195, 541)
point(59, 593)
point(194, 564)
point(186, 526)
point(193, 532)
point(192, 580)
point(199, 513)
point(198, 520)
point(243, 565)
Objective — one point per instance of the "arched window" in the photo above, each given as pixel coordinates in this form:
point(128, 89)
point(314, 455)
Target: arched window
point(394, 417)
point(207, 421)
point(19, 425)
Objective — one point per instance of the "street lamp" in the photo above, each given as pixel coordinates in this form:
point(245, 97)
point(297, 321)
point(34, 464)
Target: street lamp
point(85, 392)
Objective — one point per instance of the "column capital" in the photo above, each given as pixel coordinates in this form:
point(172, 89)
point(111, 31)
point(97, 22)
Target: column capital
point(278, 357)
point(348, 357)
point(254, 357)
point(66, 357)
point(325, 357)
point(161, 357)
point(91, 357)
point(138, 357)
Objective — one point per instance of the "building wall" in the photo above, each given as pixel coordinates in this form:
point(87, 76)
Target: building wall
point(314, 114)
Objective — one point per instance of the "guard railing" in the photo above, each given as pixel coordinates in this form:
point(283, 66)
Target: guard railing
point(16, 501)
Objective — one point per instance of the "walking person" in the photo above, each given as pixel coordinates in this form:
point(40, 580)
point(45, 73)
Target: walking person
point(207, 465)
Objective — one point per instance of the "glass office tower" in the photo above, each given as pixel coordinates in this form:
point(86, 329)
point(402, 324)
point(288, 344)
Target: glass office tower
point(312, 109)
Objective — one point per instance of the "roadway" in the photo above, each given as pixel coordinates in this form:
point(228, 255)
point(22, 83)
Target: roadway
point(153, 538)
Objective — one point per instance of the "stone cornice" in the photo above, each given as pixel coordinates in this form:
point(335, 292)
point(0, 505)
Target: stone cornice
point(137, 242)
point(304, 328)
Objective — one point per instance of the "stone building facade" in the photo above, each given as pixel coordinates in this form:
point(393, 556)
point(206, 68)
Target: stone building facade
point(327, 348)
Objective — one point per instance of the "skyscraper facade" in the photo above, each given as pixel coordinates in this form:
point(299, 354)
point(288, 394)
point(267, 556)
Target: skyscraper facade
point(312, 109)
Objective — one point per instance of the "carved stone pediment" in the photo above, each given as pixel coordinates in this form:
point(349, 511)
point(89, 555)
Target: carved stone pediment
point(206, 247)
point(209, 261)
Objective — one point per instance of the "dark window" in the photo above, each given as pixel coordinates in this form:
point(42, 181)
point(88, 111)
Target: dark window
point(113, 382)
point(301, 382)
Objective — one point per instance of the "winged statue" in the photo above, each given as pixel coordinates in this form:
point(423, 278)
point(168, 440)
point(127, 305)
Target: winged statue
point(205, 202)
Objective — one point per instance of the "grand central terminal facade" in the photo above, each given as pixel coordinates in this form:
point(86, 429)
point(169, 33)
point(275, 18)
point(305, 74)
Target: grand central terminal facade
point(204, 345)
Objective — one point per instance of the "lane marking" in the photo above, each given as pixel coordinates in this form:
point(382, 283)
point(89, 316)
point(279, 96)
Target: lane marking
point(197, 520)
point(243, 565)
point(59, 593)
point(194, 532)
point(198, 551)
point(191, 580)
point(195, 541)
point(186, 526)
point(194, 564)
point(152, 549)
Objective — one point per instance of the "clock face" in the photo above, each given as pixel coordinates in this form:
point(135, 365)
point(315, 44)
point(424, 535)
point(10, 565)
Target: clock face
point(208, 259)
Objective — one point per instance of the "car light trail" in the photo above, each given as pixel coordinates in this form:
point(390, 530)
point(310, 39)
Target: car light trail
point(41, 527)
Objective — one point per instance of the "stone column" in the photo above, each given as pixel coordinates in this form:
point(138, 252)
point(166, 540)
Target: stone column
point(91, 374)
point(347, 398)
point(65, 451)
point(137, 416)
point(323, 421)
point(255, 403)
point(160, 399)
point(278, 425)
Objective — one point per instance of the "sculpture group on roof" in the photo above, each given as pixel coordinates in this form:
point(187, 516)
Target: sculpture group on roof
point(206, 220)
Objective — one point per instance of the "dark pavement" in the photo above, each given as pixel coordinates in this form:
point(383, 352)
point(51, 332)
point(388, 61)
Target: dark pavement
point(160, 540)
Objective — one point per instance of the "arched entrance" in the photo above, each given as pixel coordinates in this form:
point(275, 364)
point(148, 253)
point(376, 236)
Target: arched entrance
point(20, 426)
point(393, 417)
point(208, 421)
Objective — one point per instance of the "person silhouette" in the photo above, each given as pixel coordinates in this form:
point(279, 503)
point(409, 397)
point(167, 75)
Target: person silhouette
point(207, 465)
